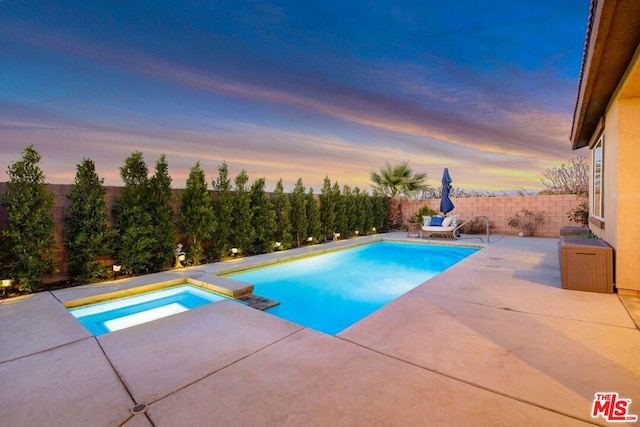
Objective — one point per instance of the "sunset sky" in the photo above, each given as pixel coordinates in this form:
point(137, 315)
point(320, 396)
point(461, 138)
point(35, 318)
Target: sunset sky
point(293, 88)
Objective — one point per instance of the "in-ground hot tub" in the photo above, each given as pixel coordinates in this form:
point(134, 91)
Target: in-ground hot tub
point(113, 311)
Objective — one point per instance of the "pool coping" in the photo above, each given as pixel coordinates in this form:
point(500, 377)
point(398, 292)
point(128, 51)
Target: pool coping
point(213, 276)
point(217, 284)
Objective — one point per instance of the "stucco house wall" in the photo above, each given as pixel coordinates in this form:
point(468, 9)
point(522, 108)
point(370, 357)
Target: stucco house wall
point(621, 228)
point(609, 102)
point(626, 200)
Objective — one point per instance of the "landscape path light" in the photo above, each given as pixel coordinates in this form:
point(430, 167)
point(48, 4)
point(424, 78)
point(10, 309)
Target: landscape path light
point(180, 256)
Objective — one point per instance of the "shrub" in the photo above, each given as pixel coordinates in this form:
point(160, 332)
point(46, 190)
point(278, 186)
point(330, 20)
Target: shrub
point(223, 210)
point(349, 207)
point(133, 221)
point(425, 211)
point(474, 226)
point(380, 208)
point(29, 237)
point(87, 234)
point(580, 214)
point(364, 211)
point(197, 218)
point(299, 222)
point(163, 225)
point(586, 236)
point(527, 222)
point(341, 222)
point(263, 219)
point(241, 232)
point(282, 208)
point(314, 226)
point(328, 209)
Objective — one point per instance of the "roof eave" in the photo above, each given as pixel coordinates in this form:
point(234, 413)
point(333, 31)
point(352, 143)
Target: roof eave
point(613, 35)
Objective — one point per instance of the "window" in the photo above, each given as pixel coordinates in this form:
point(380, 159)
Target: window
point(597, 201)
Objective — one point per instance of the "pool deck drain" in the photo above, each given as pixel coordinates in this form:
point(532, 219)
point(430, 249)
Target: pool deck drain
point(258, 302)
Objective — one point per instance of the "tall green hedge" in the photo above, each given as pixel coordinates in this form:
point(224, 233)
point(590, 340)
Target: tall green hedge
point(282, 208)
point(28, 240)
point(87, 234)
point(299, 213)
point(263, 220)
point(162, 222)
point(133, 220)
point(143, 235)
point(314, 226)
point(197, 216)
point(241, 233)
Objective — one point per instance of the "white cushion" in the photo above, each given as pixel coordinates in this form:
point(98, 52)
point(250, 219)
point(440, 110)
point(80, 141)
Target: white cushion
point(447, 221)
point(426, 220)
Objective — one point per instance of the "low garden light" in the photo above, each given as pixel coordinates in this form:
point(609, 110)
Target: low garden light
point(374, 230)
point(116, 269)
point(357, 233)
point(234, 252)
point(278, 245)
point(180, 256)
point(6, 284)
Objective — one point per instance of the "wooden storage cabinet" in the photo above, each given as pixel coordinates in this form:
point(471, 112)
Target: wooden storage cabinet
point(586, 264)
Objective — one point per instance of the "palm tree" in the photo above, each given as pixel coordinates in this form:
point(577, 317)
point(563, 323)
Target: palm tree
point(397, 181)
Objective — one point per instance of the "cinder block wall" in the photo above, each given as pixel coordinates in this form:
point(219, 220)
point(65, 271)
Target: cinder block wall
point(555, 209)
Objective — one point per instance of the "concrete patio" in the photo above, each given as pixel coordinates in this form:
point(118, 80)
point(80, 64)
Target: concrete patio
point(492, 341)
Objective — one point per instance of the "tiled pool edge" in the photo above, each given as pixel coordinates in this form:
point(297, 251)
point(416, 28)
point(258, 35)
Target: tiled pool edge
point(334, 247)
point(222, 285)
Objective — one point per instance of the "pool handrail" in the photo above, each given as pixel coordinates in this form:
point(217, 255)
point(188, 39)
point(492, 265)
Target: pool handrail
point(486, 218)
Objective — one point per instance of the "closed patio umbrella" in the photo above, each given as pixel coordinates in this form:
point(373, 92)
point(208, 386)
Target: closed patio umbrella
point(446, 205)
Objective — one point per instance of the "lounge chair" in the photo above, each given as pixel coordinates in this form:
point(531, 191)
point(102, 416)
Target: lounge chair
point(440, 227)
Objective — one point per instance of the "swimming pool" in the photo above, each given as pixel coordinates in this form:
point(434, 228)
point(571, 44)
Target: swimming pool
point(130, 311)
point(330, 292)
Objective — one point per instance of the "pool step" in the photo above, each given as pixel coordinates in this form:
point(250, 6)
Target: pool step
point(258, 302)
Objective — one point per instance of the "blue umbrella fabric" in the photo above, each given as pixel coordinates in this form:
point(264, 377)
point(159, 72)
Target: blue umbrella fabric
point(446, 205)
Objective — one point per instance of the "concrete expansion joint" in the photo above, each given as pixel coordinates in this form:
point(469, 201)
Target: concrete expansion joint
point(224, 367)
point(470, 383)
point(530, 313)
point(45, 350)
point(55, 297)
point(632, 305)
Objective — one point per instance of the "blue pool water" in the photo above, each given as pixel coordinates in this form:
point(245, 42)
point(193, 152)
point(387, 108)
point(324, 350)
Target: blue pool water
point(130, 311)
point(332, 291)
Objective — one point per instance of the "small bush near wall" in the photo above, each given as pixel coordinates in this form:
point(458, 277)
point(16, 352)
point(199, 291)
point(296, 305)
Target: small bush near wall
point(526, 221)
point(425, 211)
point(580, 214)
point(474, 226)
